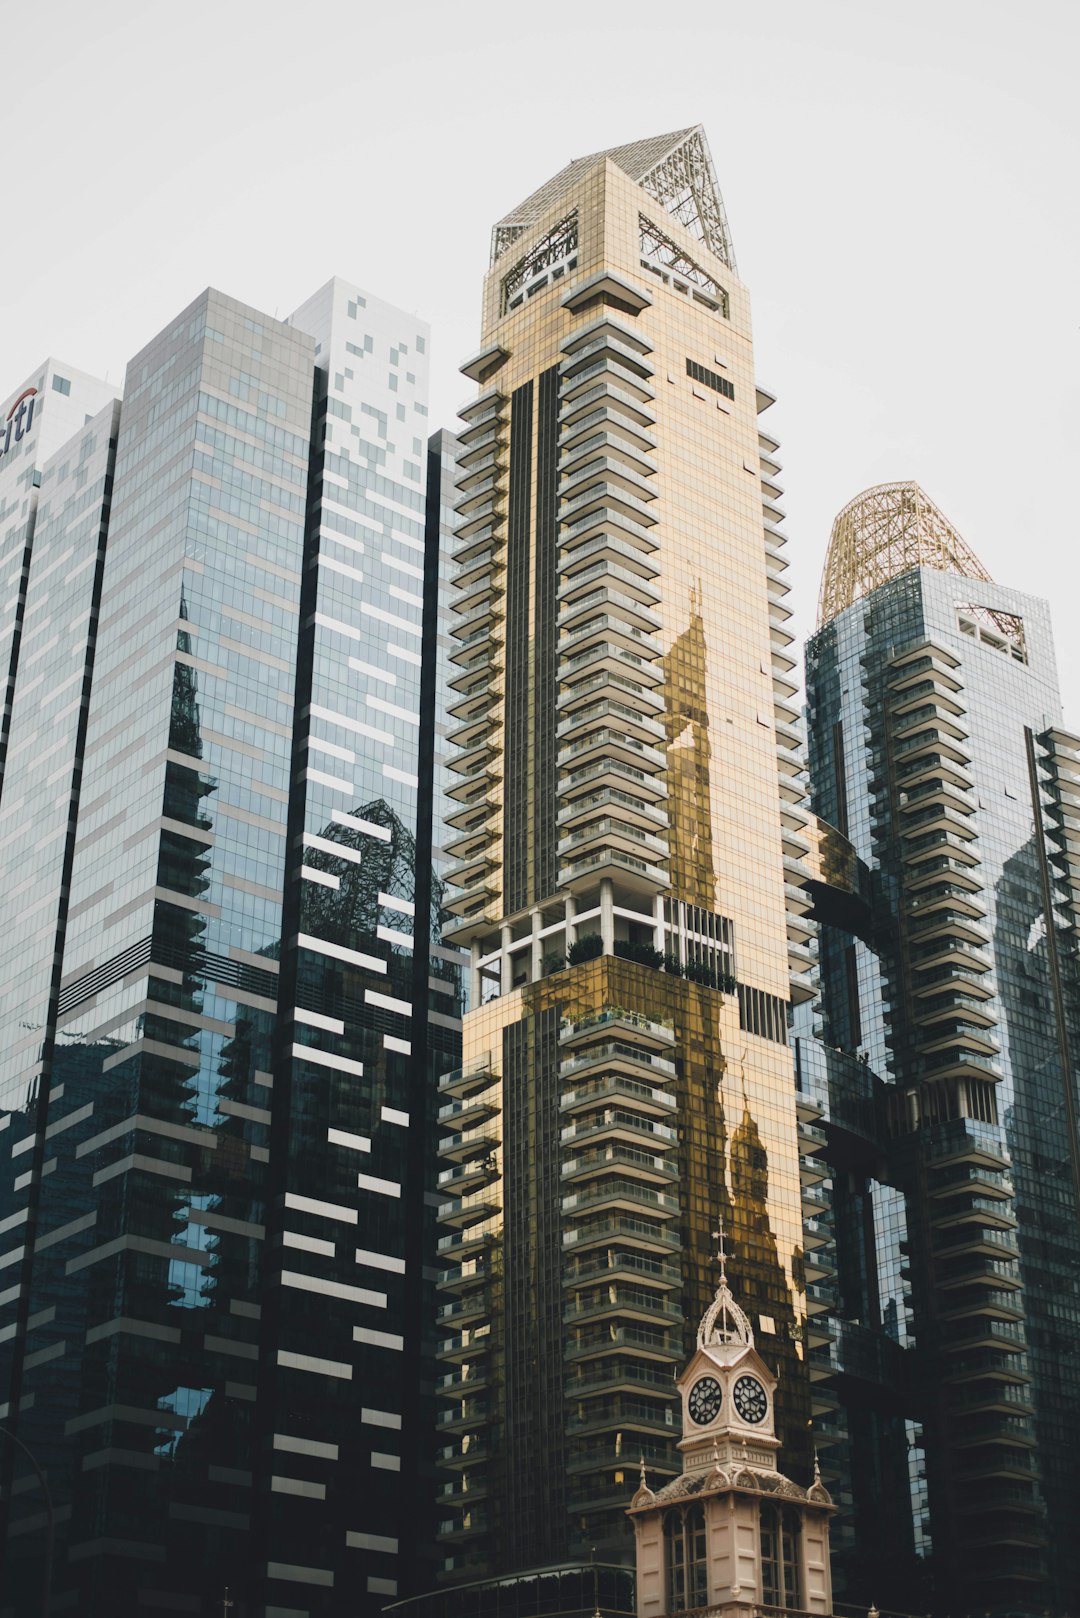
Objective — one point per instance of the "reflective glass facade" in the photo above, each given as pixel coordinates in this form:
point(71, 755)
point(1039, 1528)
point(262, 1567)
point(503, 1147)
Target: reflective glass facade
point(625, 830)
point(212, 1115)
point(942, 1061)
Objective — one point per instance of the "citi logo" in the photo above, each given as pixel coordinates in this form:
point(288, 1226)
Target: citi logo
point(19, 420)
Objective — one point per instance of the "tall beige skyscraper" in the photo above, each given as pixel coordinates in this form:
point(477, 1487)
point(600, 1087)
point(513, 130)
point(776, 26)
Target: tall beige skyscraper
point(627, 836)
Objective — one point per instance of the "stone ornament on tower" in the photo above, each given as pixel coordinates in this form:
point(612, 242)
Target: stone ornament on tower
point(732, 1531)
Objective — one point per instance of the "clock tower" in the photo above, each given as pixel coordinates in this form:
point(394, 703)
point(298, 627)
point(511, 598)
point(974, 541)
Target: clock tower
point(732, 1533)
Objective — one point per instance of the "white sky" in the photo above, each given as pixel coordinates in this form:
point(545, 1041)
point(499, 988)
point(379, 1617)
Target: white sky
point(901, 182)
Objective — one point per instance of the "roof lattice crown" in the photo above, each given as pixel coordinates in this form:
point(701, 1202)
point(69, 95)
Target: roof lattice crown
point(883, 532)
point(676, 169)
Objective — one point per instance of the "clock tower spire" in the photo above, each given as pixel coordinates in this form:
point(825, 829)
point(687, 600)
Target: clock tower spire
point(732, 1531)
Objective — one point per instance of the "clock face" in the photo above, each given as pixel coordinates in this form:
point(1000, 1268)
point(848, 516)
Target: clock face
point(750, 1399)
point(706, 1397)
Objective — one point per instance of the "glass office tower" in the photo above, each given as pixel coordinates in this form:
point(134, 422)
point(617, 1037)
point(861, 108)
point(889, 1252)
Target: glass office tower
point(626, 818)
point(212, 1115)
point(35, 421)
point(943, 1061)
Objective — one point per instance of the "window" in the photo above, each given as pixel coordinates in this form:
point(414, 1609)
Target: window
point(61, 384)
point(686, 1558)
point(711, 379)
point(779, 1536)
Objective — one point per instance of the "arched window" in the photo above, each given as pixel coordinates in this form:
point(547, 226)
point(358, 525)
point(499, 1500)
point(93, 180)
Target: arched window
point(779, 1538)
point(686, 1558)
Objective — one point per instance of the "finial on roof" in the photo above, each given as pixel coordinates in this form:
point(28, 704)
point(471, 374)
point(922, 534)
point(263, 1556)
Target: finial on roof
point(644, 1484)
point(723, 1321)
point(721, 1251)
point(817, 1468)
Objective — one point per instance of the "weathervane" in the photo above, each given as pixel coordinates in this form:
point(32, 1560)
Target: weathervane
point(721, 1250)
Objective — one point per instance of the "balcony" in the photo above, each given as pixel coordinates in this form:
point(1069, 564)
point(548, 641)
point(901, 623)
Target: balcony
point(631, 1303)
point(466, 1177)
point(977, 1239)
point(475, 871)
point(621, 1266)
point(627, 444)
point(608, 834)
point(465, 1382)
point(620, 1375)
point(476, 650)
point(470, 1079)
point(624, 1195)
point(630, 1159)
point(606, 630)
point(632, 723)
point(618, 552)
point(630, 810)
point(607, 369)
point(469, 1241)
point(627, 608)
point(638, 1340)
point(459, 1418)
point(614, 773)
point(645, 1029)
point(635, 874)
point(606, 393)
point(464, 1311)
point(601, 470)
point(479, 1131)
point(611, 658)
point(617, 1056)
point(645, 1098)
point(471, 1209)
point(644, 1234)
point(467, 1348)
point(615, 687)
point(473, 1273)
point(471, 904)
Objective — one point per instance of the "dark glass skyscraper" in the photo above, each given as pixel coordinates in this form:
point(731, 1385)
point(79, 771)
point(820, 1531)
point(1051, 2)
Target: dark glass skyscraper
point(942, 1064)
point(212, 1104)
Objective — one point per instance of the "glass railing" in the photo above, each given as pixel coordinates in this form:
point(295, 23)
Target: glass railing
point(617, 1084)
point(615, 1050)
point(633, 1190)
point(662, 1026)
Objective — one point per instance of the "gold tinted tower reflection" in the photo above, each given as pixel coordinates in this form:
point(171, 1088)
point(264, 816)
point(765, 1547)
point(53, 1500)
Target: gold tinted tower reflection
point(627, 873)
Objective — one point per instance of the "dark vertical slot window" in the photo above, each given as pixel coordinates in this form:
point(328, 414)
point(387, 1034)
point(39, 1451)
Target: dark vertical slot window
point(545, 648)
point(851, 969)
point(516, 790)
point(841, 777)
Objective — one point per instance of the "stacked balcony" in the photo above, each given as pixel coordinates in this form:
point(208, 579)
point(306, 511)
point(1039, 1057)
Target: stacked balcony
point(789, 750)
point(469, 1146)
point(611, 738)
point(815, 1177)
point(479, 632)
point(984, 1366)
point(622, 1320)
point(1058, 757)
point(944, 910)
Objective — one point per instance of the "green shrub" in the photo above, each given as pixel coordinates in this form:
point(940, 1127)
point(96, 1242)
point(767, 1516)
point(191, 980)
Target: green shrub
point(645, 954)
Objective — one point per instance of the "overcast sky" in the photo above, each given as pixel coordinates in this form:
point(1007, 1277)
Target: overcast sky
point(901, 182)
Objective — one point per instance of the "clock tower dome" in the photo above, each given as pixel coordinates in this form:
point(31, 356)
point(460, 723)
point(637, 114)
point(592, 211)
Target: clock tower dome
point(731, 1533)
